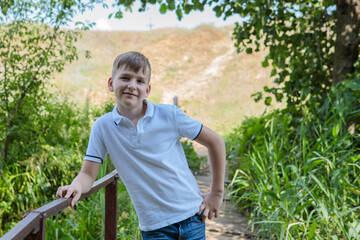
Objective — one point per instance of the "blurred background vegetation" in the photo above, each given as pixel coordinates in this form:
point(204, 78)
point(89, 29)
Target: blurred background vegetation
point(293, 157)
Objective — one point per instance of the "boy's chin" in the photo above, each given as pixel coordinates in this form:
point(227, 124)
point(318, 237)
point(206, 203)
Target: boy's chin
point(131, 103)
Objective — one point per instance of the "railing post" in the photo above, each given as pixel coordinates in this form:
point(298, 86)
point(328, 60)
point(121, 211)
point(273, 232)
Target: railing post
point(39, 232)
point(110, 210)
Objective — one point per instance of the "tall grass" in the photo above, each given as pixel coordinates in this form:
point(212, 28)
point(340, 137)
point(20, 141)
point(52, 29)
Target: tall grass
point(301, 181)
point(28, 184)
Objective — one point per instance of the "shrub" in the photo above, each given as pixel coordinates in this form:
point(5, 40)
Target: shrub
point(301, 181)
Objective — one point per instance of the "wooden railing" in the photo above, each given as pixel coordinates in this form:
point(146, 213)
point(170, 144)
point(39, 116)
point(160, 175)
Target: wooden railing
point(33, 226)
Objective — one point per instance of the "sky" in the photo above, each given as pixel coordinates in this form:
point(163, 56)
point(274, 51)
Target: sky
point(151, 19)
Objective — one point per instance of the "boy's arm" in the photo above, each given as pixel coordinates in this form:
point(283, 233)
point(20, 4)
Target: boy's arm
point(216, 148)
point(82, 182)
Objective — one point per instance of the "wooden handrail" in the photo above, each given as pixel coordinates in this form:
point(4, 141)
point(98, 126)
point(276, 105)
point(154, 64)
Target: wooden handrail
point(33, 225)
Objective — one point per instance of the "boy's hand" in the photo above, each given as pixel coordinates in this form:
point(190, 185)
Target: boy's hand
point(67, 192)
point(211, 205)
point(81, 184)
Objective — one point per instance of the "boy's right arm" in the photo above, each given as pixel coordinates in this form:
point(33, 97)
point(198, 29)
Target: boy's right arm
point(82, 182)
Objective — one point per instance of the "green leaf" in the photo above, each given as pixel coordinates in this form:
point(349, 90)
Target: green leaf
point(163, 8)
point(178, 13)
point(171, 4)
point(273, 72)
point(320, 184)
point(268, 101)
point(257, 96)
point(336, 130)
point(249, 50)
point(218, 10)
point(265, 63)
point(312, 230)
point(119, 15)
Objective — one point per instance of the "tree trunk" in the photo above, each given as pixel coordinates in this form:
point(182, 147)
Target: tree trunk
point(347, 39)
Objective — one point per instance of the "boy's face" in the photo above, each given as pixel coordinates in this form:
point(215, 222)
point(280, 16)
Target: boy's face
point(130, 88)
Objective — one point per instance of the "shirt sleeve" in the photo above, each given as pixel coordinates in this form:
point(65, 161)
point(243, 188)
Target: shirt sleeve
point(187, 127)
point(96, 150)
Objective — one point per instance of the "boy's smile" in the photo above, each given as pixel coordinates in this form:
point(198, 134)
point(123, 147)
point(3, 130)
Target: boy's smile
point(130, 89)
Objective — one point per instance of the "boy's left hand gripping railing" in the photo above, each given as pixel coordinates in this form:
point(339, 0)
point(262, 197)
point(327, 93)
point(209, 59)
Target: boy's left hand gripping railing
point(33, 226)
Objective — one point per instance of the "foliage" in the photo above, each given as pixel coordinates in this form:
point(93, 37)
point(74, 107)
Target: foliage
point(302, 38)
point(249, 135)
point(302, 183)
point(59, 140)
point(300, 48)
point(42, 135)
point(33, 47)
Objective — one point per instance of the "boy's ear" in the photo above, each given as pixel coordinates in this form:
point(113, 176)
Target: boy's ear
point(148, 90)
point(110, 85)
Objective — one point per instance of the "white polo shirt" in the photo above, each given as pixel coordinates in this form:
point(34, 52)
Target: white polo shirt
point(151, 162)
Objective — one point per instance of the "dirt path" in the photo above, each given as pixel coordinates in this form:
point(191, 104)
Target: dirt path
point(193, 85)
point(229, 225)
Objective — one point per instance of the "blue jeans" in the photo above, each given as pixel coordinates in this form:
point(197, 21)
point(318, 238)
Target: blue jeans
point(189, 229)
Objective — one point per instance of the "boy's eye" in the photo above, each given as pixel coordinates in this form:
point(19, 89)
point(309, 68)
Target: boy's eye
point(140, 81)
point(124, 78)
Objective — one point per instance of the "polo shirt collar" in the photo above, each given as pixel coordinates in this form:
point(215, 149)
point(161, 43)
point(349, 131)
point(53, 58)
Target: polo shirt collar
point(149, 112)
point(150, 109)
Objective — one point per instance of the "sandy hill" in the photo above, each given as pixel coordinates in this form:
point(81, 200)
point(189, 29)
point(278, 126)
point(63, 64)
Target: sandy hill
point(201, 67)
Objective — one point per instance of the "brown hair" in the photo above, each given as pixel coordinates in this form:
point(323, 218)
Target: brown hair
point(133, 61)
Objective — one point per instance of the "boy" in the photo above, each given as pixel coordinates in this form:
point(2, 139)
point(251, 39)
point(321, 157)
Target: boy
point(142, 140)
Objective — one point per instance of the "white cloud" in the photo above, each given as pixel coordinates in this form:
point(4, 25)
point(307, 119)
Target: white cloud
point(102, 24)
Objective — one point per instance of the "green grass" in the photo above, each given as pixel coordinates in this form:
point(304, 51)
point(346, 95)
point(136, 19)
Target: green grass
point(300, 181)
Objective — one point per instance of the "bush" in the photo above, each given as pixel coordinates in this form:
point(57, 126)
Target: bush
point(301, 181)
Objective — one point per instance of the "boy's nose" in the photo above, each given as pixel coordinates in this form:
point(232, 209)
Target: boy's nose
point(131, 84)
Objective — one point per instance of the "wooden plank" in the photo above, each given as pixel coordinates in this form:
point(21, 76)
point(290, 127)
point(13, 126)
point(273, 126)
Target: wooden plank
point(54, 207)
point(60, 204)
point(23, 228)
point(101, 183)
